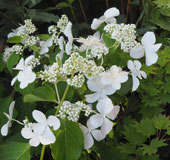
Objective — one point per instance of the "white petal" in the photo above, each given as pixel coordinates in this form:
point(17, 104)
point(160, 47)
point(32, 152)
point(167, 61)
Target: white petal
point(156, 47)
point(12, 34)
point(14, 80)
point(148, 39)
point(151, 58)
point(111, 20)
point(69, 47)
point(137, 64)
point(95, 121)
point(137, 52)
point(92, 85)
point(135, 83)
point(106, 79)
point(113, 114)
point(28, 59)
point(53, 122)
point(96, 23)
point(104, 106)
point(108, 90)
point(88, 141)
point(97, 134)
point(34, 141)
point(107, 126)
point(27, 133)
point(11, 107)
point(144, 75)
point(68, 30)
point(39, 116)
point(4, 129)
point(20, 65)
point(39, 128)
point(44, 50)
point(111, 12)
point(60, 42)
point(49, 42)
point(130, 65)
point(91, 98)
point(84, 129)
point(48, 137)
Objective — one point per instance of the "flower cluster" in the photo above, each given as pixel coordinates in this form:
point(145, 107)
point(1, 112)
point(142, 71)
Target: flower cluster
point(125, 34)
point(16, 49)
point(72, 111)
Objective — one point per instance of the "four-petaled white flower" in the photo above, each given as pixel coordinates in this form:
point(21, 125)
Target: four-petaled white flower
point(5, 127)
point(25, 75)
point(45, 46)
point(68, 34)
point(40, 132)
point(136, 73)
point(148, 47)
point(108, 17)
point(101, 90)
point(106, 110)
point(114, 77)
point(89, 132)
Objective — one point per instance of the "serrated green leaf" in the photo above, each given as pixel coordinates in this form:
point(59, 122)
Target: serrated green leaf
point(45, 93)
point(15, 39)
point(132, 136)
point(70, 1)
point(12, 61)
point(161, 122)
point(69, 142)
point(15, 151)
point(153, 147)
point(145, 127)
point(167, 68)
point(127, 148)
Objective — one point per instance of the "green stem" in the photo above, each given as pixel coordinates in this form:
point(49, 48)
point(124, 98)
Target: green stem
point(127, 11)
point(42, 152)
point(56, 89)
point(107, 3)
point(73, 14)
point(82, 9)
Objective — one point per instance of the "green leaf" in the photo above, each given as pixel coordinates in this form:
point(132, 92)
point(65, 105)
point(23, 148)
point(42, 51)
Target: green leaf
point(153, 147)
point(161, 122)
point(43, 16)
point(45, 93)
point(167, 68)
point(145, 127)
point(15, 39)
point(12, 61)
point(108, 41)
point(132, 136)
point(69, 142)
point(127, 148)
point(70, 1)
point(62, 5)
point(15, 151)
point(44, 36)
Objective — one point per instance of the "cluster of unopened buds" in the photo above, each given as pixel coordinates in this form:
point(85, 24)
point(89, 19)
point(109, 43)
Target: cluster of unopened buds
point(76, 71)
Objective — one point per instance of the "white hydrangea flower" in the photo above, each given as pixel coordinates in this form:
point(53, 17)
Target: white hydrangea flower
point(106, 110)
point(45, 46)
point(40, 132)
point(101, 90)
point(5, 127)
point(25, 75)
point(108, 17)
point(114, 77)
point(136, 73)
point(94, 46)
point(62, 23)
point(89, 132)
point(23, 30)
point(148, 47)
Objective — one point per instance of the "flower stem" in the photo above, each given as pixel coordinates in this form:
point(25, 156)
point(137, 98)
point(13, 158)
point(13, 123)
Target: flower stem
point(42, 152)
point(107, 3)
point(83, 12)
point(56, 89)
point(73, 14)
point(127, 11)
